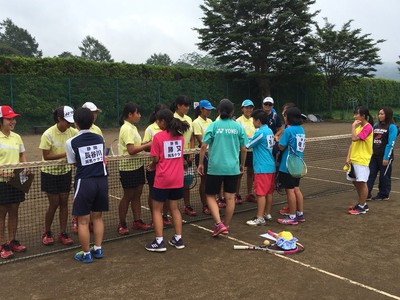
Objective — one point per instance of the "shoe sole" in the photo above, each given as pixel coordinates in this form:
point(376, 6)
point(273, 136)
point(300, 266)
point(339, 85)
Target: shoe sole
point(156, 250)
point(284, 223)
point(356, 213)
point(262, 224)
point(177, 247)
point(85, 262)
point(221, 231)
point(351, 207)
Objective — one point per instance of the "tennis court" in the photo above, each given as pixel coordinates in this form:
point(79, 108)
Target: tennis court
point(346, 256)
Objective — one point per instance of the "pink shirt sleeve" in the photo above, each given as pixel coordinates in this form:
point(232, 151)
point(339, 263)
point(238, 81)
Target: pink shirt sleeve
point(365, 132)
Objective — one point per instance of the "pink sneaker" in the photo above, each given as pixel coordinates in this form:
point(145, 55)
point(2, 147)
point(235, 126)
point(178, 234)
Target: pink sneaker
point(122, 229)
point(220, 228)
point(140, 225)
point(288, 221)
point(16, 246)
point(284, 211)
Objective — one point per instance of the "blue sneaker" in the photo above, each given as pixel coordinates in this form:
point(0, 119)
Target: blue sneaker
point(301, 218)
point(358, 210)
point(177, 244)
point(96, 253)
point(80, 256)
point(155, 247)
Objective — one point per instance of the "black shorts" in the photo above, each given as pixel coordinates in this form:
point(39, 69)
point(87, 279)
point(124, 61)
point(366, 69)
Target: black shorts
point(288, 181)
point(150, 175)
point(249, 159)
point(91, 194)
point(162, 195)
point(9, 194)
point(132, 179)
point(56, 184)
point(214, 183)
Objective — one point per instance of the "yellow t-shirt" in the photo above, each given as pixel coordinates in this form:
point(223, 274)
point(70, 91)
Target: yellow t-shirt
point(96, 129)
point(150, 132)
point(361, 150)
point(247, 125)
point(10, 148)
point(200, 126)
point(188, 133)
point(128, 134)
point(54, 140)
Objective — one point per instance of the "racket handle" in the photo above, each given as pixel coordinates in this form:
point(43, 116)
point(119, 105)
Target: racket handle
point(240, 247)
point(272, 233)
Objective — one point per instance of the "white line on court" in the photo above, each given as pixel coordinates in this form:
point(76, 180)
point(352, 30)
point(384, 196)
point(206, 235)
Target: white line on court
point(308, 266)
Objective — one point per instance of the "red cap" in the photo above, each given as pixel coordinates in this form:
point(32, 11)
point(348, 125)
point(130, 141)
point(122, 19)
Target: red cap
point(7, 112)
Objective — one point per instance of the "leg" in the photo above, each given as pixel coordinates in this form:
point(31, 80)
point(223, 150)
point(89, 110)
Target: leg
point(3, 214)
point(261, 206)
point(176, 216)
point(299, 199)
point(362, 191)
point(230, 207)
point(83, 232)
point(373, 172)
point(157, 218)
point(291, 199)
point(202, 189)
point(54, 203)
point(250, 177)
point(186, 195)
point(213, 206)
point(124, 204)
point(268, 204)
point(385, 182)
point(98, 227)
point(63, 197)
point(12, 220)
point(136, 204)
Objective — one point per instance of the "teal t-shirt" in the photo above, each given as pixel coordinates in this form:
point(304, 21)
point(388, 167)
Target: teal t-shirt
point(293, 136)
point(224, 137)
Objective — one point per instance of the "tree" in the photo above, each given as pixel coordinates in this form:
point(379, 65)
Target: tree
point(343, 55)
point(263, 37)
point(398, 62)
point(67, 54)
point(92, 49)
point(18, 41)
point(161, 59)
point(199, 61)
point(6, 49)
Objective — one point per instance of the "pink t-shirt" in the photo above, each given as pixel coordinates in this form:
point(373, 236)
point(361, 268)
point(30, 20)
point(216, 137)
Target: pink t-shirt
point(169, 170)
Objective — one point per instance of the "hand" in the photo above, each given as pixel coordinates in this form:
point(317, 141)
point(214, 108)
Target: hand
point(385, 162)
point(200, 169)
point(26, 171)
point(150, 167)
point(356, 122)
point(241, 169)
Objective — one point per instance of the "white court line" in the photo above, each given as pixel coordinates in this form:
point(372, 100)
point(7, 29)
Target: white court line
point(308, 266)
point(336, 170)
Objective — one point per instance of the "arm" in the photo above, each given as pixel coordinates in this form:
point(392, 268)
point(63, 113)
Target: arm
point(47, 155)
point(152, 166)
point(354, 136)
point(203, 149)
point(243, 154)
point(278, 134)
point(132, 149)
point(393, 131)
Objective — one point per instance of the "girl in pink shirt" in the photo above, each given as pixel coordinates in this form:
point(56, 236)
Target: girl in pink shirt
point(167, 153)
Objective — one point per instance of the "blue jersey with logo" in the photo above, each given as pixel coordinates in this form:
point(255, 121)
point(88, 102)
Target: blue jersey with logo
point(262, 144)
point(295, 137)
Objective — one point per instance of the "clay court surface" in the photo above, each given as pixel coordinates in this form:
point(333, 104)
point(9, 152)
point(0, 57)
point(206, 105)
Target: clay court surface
point(346, 257)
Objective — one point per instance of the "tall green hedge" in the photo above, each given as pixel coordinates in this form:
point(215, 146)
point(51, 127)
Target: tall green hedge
point(35, 87)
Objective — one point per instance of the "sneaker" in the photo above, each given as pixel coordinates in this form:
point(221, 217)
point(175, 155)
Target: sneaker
point(85, 258)
point(140, 225)
point(251, 198)
point(301, 218)
point(122, 228)
point(47, 238)
point(64, 238)
point(16, 246)
point(75, 224)
point(177, 244)
point(366, 207)
point(6, 251)
point(96, 253)
point(238, 199)
point(188, 210)
point(155, 247)
point(220, 228)
point(166, 221)
point(206, 210)
point(267, 217)
point(221, 202)
point(288, 221)
point(284, 211)
point(379, 198)
point(357, 210)
point(256, 222)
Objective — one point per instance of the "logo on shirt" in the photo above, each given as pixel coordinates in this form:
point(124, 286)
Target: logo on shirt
point(227, 131)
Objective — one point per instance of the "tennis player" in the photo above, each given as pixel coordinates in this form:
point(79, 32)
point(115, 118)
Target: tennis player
point(86, 151)
point(294, 137)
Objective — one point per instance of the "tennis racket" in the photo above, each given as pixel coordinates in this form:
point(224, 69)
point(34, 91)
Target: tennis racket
point(295, 165)
point(113, 149)
point(278, 185)
point(271, 248)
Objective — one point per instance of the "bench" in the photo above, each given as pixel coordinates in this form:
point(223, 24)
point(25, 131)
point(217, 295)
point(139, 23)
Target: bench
point(39, 129)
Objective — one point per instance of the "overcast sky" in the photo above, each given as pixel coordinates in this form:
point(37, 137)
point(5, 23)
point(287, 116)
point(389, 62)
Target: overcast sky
point(132, 30)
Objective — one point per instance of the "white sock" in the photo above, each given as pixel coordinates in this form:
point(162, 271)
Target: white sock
point(299, 213)
point(96, 248)
point(86, 253)
point(159, 240)
point(292, 217)
point(178, 237)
